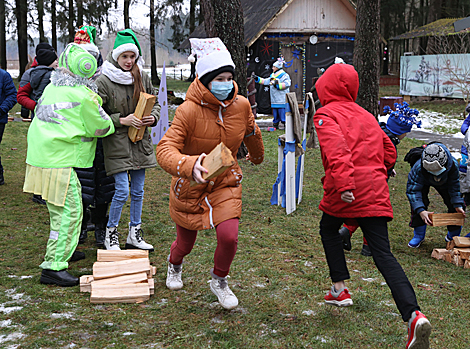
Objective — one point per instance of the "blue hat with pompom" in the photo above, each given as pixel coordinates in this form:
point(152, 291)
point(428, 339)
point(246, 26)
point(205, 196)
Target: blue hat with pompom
point(402, 119)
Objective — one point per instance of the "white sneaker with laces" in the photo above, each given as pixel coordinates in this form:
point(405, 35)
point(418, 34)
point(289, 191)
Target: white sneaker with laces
point(225, 295)
point(173, 277)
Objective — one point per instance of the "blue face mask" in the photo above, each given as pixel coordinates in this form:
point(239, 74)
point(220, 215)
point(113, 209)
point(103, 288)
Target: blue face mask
point(437, 173)
point(221, 89)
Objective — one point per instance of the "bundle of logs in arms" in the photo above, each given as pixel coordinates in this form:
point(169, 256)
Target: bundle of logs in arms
point(457, 251)
point(120, 276)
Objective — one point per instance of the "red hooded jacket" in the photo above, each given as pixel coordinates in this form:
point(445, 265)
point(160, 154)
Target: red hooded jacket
point(356, 153)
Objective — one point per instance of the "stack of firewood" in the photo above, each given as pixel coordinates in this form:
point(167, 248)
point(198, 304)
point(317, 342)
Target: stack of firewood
point(120, 276)
point(457, 252)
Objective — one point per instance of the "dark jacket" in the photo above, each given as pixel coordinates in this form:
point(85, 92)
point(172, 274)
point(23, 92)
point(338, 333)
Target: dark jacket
point(32, 85)
point(418, 178)
point(7, 95)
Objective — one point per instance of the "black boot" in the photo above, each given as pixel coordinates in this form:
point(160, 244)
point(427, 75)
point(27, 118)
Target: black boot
point(100, 234)
point(366, 251)
point(2, 179)
point(60, 278)
point(344, 232)
point(276, 125)
point(38, 199)
point(83, 236)
point(76, 256)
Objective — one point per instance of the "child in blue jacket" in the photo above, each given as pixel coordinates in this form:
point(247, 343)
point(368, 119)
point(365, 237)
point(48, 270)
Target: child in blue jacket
point(279, 82)
point(437, 168)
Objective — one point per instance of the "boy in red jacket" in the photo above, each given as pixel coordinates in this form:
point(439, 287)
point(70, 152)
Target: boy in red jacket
point(356, 155)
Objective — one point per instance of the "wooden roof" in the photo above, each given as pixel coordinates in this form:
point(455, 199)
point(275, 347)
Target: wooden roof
point(257, 15)
point(441, 27)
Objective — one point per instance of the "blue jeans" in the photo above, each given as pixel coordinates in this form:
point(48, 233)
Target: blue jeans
point(137, 179)
point(279, 115)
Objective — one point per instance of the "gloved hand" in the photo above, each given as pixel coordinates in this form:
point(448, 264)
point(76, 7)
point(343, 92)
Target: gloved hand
point(274, 82)
point(467, 108)
point(257, 78)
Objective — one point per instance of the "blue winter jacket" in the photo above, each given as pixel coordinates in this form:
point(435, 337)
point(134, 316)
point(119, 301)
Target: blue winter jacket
point(7, 95)
point(463, 148)
point(278, 90)
point(418, 178)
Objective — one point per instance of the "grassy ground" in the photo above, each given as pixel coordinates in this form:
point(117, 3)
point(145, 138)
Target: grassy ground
point(279, 275)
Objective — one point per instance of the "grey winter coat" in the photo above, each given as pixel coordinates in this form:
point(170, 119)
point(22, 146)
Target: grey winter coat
point(120, 153)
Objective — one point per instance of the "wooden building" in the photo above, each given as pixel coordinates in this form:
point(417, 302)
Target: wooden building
point(309, 34)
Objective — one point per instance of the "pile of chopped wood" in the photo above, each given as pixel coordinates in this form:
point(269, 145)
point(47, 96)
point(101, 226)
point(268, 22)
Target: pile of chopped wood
point(120, 276)
point(457, 252)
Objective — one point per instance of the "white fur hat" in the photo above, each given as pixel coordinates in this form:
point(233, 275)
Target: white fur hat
point(211, 55)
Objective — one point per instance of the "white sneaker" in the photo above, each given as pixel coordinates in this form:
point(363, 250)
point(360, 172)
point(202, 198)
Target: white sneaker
point(173, 277)
point(111, 240)
point(135, 239)
point(225, 295)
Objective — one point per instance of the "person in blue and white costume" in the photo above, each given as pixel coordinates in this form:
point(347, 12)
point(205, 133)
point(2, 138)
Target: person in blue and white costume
point(279, 82)
point(437, 168)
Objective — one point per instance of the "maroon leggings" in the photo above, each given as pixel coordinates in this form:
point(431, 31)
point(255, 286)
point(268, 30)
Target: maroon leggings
point(227, 239)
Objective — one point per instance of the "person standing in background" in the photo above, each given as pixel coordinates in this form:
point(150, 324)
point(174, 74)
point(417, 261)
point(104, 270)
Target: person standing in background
point(7, 101)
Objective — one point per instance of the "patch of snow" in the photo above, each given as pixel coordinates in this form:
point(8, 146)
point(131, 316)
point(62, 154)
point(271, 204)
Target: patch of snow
point(368, 279)
point(67, 315)
point(128, 333)
point(5, 323)
point(8, 310)
point(216, 320)
point(259, 285)
point(308, 264)
point(322, 339)
point(309, 312)
point(11, 337)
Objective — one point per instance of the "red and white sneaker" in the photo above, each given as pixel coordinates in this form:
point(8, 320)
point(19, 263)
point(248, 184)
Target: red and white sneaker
point(419, 329)
point(343, 299)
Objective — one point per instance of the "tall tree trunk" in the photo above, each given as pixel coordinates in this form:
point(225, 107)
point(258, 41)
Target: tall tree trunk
point(366, 54)
point(192, 15)
point(224, 19)
point(22, 30)
point(54, 24)
point(70, 25)
point(3, 39)
point(127, 3)
point(153, 55)
point(79, 13)
point(40, 7)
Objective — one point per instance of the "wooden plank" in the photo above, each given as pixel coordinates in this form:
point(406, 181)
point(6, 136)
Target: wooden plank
point(119, 255)
point(441, 219)
point(102, 270)
point(461, 241)
point(85, 283)
point(143, 108)
point(151, 283)
point(457, 260)
point(439, 253)
point(448, 258)
point(216, 162)
point(466, 264)
point(153, 269)
point(450, 245)
point(124, 293)
point(464, 252)
point(123, 279)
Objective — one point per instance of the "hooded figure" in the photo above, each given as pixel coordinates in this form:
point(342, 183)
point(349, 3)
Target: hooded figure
point(356, 154)
point(62, 136)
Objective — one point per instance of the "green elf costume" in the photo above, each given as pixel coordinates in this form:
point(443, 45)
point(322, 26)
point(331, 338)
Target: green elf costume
point(62, 136)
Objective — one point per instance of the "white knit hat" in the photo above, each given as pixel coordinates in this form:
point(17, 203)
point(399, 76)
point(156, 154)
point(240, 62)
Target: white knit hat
point(211, 55)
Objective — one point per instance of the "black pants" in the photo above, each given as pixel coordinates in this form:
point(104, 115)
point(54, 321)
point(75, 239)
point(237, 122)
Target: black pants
point(2, 129)
point(417, 221)
point(376, 232)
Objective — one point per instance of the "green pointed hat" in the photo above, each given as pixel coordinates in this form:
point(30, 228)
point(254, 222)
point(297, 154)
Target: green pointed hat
point(85, 35)
point(126, 41)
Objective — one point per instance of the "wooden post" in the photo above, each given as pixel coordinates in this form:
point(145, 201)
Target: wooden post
point(144, 108)
point(290, 162)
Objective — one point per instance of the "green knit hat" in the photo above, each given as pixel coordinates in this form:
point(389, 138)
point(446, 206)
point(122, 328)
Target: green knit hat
point(85, 35)
point(126, 41)
point(76, 59)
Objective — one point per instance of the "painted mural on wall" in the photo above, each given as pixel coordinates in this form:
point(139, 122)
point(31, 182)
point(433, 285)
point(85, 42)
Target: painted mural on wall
point(435, 75)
